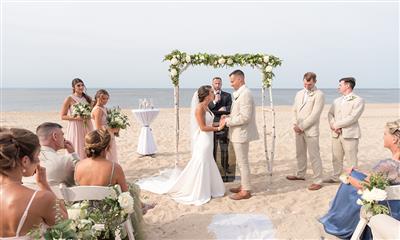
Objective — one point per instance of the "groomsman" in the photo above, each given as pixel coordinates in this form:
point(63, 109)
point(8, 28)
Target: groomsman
point(222, 102)
point(343, 120)
point(308, 105)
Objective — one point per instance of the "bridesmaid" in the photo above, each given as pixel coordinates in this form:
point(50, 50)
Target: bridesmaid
point(99, 120)
point(76, 128)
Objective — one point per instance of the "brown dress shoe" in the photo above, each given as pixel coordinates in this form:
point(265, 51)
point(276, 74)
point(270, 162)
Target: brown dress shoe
point(235, 189)
point(290, 177)
point(241, 195)
point(314, 187)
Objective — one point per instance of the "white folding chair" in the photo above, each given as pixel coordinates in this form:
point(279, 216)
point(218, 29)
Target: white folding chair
point(393, 193)
point(80, 193)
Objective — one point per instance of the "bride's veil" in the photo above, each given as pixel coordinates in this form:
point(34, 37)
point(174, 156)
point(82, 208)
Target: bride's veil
point(194, 126)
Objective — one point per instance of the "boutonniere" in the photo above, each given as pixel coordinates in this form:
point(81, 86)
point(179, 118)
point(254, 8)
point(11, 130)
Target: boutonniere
point(351, 98)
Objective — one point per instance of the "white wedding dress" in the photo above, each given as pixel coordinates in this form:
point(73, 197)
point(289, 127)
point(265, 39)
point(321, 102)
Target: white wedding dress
point(200, 180)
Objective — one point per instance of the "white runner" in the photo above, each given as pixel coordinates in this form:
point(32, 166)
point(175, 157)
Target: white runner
point(241, 226)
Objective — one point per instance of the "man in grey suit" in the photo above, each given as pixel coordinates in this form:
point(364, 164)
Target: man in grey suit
point(343, 120)
point(242, 130)
point(308, 105)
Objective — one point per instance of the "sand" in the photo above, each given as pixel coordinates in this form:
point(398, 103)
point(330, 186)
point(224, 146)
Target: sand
point(292, 208)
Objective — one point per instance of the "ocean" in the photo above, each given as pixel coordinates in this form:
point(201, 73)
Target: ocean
point(51, 99)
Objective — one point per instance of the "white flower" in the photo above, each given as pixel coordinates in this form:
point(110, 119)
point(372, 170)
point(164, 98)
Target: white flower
point(174, 72)
point(98, 227)
point(344, 178)
point(221, 60)
point(188, 59)
point(375, 194)
point(174, 61)
point(266, 59)
point(126, 202)
point(202, 57)
point(268, 69)
point(360, 191)
point(229, 62)
point(360, 202)
point(83, 223)
point(74, 213)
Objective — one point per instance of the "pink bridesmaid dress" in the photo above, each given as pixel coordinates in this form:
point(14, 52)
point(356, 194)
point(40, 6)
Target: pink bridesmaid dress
point(77, 130)
point(112, 152)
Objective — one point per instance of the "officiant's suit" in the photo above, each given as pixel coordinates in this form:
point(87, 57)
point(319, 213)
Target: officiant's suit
point(242, 130)
point(344, 114)
point(307, 107)
point(221, 137)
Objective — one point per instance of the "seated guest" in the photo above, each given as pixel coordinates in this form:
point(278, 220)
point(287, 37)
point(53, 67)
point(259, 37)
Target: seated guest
point(59, 167)
point(23, 209)
point(97, 170)
point(344, 213)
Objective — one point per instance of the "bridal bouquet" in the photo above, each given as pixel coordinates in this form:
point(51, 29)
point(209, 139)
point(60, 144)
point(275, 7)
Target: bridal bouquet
point(91, 219)
point(116, 119)
point(82, 110)
point(374, 192)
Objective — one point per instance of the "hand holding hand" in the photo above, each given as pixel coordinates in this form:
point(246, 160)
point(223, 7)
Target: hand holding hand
point(337, 130)
point(297, 129)
point(68, 146)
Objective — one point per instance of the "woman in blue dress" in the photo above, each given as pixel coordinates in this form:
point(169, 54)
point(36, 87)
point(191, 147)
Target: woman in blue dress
point(344, 213)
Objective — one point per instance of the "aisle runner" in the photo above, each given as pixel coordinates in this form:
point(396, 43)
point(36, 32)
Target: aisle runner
point(241, 226)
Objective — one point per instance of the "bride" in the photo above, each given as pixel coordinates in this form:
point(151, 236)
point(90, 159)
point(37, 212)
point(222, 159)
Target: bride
point(200, 179)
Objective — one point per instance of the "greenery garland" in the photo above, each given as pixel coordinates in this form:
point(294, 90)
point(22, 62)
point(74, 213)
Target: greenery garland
point(181, 60)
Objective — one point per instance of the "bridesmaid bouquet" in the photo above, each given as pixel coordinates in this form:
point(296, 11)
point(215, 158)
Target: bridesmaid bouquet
point(116, 119)
point(82, 110)
point(374, 192)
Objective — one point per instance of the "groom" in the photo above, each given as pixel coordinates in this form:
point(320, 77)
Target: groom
point(242, 130)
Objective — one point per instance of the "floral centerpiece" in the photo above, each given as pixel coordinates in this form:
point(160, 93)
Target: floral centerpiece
point(82, 110)
point(97, 219)
point(372, 193)
point(116, 119)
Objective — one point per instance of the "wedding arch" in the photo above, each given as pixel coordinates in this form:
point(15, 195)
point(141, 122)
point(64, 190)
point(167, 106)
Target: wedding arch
point(180, 61)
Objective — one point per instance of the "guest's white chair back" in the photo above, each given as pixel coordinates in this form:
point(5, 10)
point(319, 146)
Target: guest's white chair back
point(80, 193)
point(389, 226)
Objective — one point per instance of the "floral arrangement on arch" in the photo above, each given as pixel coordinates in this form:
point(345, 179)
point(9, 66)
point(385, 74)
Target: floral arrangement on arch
point(95, 219)
point(181, 60)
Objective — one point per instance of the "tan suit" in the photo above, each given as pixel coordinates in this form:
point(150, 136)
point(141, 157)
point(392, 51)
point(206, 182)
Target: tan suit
point(344, 114)
point(242, 130)
point(307, 109)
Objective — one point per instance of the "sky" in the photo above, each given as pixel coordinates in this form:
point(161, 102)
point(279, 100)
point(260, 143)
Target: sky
point(121, 44)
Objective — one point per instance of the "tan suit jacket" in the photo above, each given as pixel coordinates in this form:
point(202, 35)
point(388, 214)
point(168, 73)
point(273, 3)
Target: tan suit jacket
point(242, 120)
point(344, 114)
point(307, 114)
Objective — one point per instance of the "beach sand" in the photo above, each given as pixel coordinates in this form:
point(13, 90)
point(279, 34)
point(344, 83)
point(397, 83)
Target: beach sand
point(292, 208)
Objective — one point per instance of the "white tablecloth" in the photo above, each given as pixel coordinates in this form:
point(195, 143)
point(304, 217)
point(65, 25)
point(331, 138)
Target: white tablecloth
point(146, 144)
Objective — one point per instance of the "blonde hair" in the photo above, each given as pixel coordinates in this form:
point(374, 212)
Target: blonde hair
point(96, 141)
point(394, 129)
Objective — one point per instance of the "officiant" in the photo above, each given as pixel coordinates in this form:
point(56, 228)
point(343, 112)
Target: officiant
point(221, 106)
